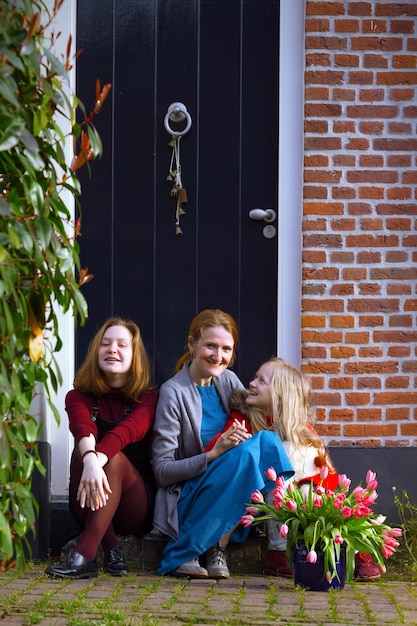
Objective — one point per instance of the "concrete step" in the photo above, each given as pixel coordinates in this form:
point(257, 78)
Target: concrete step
point(145, 554)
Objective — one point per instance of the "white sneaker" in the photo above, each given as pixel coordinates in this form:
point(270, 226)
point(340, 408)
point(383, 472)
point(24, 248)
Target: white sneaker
point(216, 562)
point(192, 569)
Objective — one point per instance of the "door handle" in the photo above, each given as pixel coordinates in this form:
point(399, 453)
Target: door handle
point(268, 215)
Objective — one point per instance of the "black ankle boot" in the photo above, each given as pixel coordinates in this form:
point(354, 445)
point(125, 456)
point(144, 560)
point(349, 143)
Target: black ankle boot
point(114, 562)
point(75, 566)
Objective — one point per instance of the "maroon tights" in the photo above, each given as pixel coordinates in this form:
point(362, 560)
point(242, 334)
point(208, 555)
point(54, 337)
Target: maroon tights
point(125, 512)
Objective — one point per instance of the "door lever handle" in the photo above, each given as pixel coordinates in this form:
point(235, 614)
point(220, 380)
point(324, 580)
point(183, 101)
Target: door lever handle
point(268, 215)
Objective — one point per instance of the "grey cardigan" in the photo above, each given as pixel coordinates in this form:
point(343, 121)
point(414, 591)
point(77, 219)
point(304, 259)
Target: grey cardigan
point(177, 450)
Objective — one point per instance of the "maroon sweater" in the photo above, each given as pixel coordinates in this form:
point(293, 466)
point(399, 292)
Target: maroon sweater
point(134, 427)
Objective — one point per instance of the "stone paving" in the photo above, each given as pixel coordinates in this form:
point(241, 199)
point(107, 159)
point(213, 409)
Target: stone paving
point(146, 599)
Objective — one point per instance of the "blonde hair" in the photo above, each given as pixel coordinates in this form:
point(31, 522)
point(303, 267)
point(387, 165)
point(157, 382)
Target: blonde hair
point(210, 318)
point(292, 416)
point(91, 379)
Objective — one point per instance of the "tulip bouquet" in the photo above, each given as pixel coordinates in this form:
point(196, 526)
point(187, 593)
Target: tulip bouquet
point(324, 520)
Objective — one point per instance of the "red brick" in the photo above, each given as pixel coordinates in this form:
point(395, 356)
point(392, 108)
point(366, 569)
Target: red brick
point(342, 289)
point(322, 143)
point(316, 126)
point(357, 144)
point(376, 111)
point(398, 160)
point(339, 193)
point(322, 176)
point(400, 223)
point(357, 338)
point(314, 352)
point(399, 413)
point(343, 382)
point(405, 27)
point(371, 320)
point(369, 415)
point(319, 25)
point(377, 43)
point(404, 60)
point(410, 366)
point(319, 59)
point(323, 304)
point(364, 305)
point(322, 273)
point(316, 160)
point(360, 8)
point(359, 208)
point(342, 321)
point(408, 429)
point(344, 160)
point(315, 193)
point(346, 95)
point(319, 367)
point(410, 111)
point(371, 160)
point(371, 193)
point(313, 320)
point(324, 208)
point(396, 256)
point(403, 145)
point(342, 224)
point(319, 224)
point(410, 177)
point(342, 352)
point(374, 26)
point(369, 240)
point(346, 26)
point(371, 128)
point(400, 320)
point(322, 42)
point(355, 273)
point(397, 382)
point(322, 110)
point(369, 289)
point(372, 352)
point(391, 336)
point(347, 60)
point(314, 256)
point(399, 193)
point(372, 223)
point(375, 60)
point(368, 382)
point(326, 399)
point(370, 430)
point(372, 176)
point(395, 8)
point(317, 93)
point(325, 8)
point(343, 257)
point(357, 399)
point(344, 127)
point(401, 94)
point(394, 273)
point(396, 78)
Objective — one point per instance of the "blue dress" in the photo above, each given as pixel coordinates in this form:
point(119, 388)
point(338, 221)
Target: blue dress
point(213, 503)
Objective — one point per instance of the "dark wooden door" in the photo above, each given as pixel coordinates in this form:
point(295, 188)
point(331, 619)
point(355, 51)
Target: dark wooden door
point(221, 60)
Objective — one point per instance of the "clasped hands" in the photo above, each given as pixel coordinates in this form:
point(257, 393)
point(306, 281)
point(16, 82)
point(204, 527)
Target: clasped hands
point(232, 437)
point(94, 488)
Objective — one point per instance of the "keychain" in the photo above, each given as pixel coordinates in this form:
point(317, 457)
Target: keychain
point(174, 176)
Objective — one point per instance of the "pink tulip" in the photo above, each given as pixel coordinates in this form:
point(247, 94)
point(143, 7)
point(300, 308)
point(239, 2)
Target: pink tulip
point(283, 531)
point(320, 490)
point(387, 551)
point(252, 510)
point(329, 577)
point(344, 482)
point(318, 502)
point(290, 488)
point(390, 541)
point(396, 532)
point(246, 520)
point(280, 482)
point(311, 557)
point(324, 472)
point(257, 497)
point(347, 512)
point(382, 568)
point(330, 493)
point(370, 476)
point(338, 539)
point(277, 504)
point(291, 505)
point(271, 474)
point(372, 485)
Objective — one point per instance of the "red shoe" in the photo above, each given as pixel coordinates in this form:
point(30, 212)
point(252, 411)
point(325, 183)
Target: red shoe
point(366, 569)
point(275, 564)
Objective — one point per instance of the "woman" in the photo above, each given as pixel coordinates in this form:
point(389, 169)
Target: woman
point(202, 494)
point(281, 396)
point(111, 411)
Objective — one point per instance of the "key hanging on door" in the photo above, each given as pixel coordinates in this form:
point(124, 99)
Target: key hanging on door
point(174, 176)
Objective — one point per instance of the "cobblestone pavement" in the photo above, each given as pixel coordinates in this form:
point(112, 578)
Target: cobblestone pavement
point(147, 599)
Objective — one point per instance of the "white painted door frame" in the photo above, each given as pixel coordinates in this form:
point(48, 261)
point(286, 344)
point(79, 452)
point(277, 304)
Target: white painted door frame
point(291, 103)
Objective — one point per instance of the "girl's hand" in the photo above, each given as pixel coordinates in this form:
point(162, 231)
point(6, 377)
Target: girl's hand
point(94, 489)
point(229, 439)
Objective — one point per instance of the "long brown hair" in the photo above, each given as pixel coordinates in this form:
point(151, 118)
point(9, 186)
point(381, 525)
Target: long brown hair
point(90, 378)
point(210, 318)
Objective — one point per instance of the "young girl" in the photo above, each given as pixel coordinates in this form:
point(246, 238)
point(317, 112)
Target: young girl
point(279, 400)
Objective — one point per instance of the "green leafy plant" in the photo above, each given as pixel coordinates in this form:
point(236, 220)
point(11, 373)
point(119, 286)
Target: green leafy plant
point(40, 273)
point(323, 519)
point(407, 512)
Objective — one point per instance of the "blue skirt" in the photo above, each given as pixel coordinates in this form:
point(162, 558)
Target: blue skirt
point(213, 503)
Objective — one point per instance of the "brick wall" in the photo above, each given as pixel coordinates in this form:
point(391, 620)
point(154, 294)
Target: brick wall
point(359, 301)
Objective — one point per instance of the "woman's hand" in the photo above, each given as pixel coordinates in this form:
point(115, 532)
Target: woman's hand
point(229, 439)
point(93, 489)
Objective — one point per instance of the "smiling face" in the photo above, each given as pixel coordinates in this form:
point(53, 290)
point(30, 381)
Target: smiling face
point(211, 354)
point(115, 355)
point(260, 392)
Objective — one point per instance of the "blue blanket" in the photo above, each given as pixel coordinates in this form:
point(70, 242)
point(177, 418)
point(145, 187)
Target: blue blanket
point(213, 503)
